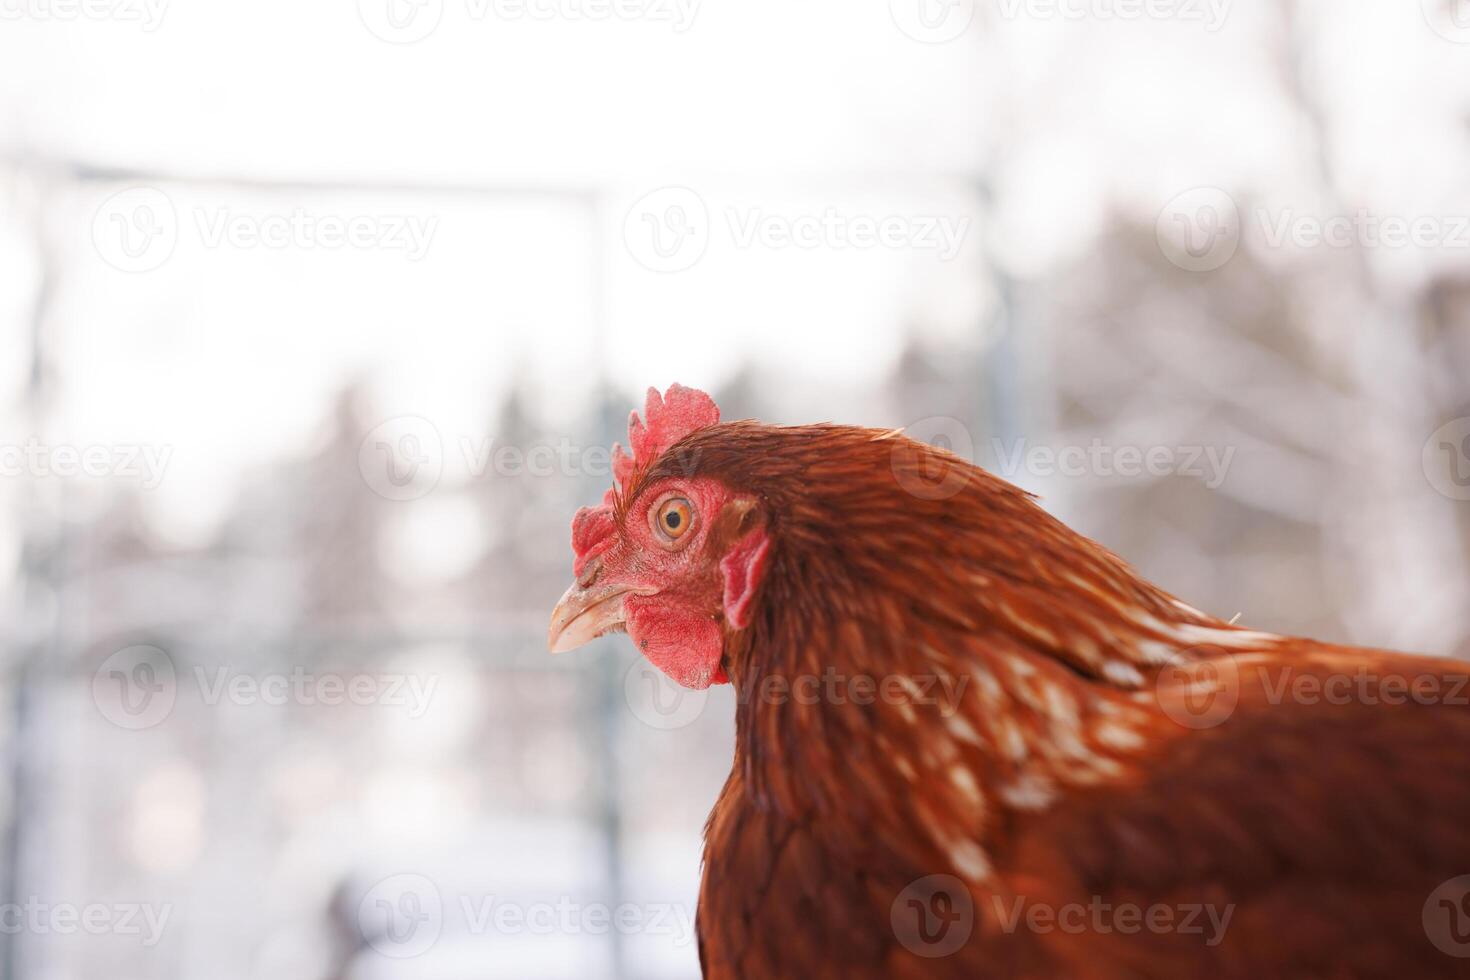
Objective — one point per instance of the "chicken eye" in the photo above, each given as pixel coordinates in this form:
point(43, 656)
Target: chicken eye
point(673, 518)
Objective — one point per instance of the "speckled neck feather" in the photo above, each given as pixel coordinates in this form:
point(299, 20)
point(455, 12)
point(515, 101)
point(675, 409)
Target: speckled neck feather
point(1017, 643)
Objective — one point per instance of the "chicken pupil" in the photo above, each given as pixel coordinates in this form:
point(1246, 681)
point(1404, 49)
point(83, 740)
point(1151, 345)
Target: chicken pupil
point(672, 520)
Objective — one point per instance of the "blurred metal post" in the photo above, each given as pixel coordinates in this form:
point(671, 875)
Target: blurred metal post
point(1000, 365)
point(37, 577)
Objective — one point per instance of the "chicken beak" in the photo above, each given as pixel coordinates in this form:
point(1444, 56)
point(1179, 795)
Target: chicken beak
point(585, 613)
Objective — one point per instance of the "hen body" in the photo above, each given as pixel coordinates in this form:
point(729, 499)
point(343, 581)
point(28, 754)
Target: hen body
point(972, 743)
point(1068, 774)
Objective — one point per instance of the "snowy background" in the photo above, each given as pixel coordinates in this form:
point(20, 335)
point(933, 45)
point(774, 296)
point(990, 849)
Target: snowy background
point(317, 320)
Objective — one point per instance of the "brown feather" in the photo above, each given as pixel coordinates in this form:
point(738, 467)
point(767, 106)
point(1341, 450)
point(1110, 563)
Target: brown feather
point(1033, 749)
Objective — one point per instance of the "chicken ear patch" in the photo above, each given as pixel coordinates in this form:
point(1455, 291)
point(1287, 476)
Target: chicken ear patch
point(742, 568)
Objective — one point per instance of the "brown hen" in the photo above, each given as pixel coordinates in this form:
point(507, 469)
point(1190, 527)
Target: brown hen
point(972, 743)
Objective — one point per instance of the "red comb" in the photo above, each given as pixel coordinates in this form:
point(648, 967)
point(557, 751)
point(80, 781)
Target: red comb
point(668, 419)
point(665, 421)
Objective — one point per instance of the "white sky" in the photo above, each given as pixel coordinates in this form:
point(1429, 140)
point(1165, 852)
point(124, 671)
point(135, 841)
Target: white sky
point(229, 354)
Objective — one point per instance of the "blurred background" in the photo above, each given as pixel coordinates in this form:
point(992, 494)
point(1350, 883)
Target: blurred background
point(318, 321)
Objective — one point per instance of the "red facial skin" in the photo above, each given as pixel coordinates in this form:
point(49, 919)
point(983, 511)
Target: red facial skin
point(681, 594)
